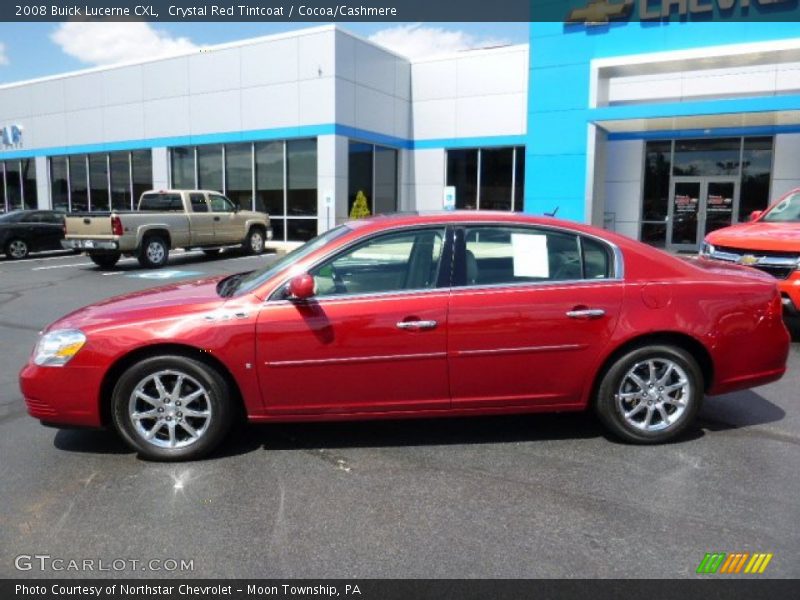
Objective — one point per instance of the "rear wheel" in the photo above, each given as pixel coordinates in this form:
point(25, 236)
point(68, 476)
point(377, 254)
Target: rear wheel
point(254, 242)
point(105, 261)
point(651, 394)
point(154, 252)
point(172, 408)
point(17, 249)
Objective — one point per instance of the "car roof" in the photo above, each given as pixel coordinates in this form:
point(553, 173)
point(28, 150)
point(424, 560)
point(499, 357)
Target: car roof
point(390, 220)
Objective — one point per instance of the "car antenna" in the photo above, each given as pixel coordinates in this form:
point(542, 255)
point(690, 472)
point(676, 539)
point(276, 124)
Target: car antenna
point(552, 214)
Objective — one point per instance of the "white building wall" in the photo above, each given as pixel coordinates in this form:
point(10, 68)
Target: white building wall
point(785, 165)
point(479, 93)
point(331, 181)
point(623, 186)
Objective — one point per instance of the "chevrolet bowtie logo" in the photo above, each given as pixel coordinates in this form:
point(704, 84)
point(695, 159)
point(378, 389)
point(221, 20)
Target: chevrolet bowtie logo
point(749, 260)
point(600, 12)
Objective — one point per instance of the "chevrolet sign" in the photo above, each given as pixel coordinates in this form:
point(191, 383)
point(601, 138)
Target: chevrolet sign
point(11, 135)
point(599, 12)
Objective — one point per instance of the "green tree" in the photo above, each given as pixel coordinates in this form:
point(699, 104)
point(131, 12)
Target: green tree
point(360, 207)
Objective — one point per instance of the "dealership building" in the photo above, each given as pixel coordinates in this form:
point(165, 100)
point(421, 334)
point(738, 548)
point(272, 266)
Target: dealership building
point(660, 131)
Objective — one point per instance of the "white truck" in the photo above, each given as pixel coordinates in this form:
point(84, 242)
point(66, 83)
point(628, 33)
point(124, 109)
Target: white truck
point(166, 219)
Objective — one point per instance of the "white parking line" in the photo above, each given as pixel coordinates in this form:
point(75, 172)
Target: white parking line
point(61, 266)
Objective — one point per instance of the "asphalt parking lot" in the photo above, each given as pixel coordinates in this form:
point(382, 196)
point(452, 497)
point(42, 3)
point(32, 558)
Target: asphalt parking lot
point(532, 496)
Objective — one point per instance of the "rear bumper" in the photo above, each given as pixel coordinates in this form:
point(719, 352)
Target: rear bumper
point(90, 245)
point(270, 234)
point(62, 395)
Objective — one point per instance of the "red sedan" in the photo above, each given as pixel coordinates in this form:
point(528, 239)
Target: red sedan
point(416, 316)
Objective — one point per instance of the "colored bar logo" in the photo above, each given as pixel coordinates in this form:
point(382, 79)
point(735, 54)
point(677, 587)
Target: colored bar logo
point(734, 563)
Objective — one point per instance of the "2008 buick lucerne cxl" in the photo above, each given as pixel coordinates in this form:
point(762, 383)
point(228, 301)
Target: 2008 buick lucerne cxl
point(459, 313)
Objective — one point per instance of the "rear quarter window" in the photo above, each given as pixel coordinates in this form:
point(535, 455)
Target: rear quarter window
point(161, 202)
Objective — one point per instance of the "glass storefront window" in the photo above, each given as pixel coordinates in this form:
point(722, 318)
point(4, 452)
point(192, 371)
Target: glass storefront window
point(496, 178)
point(78, 183)
point(301, 176)
point(98, 179)
point(655, 202)
point(142, 171)
point(209, 167)
point(488, 178)
point(29, 194)
point(756, 172)
point(120, 182)
point(462, 172)
point(182, 167)
point(269, 181)
point(58, 183)
point(239, 174)
point(519, 179)
point(701, 158)
point(359, 174)
point(385, 180)
point(13, 185)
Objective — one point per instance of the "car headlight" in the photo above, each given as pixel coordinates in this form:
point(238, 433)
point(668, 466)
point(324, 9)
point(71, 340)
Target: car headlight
point(56, 348)
point(706, 249)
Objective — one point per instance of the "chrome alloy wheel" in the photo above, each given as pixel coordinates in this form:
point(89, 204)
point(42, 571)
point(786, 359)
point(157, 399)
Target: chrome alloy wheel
point(654, 394)
point(155, 252)
point(18, 249)
point(170, 409)
point(257, 242)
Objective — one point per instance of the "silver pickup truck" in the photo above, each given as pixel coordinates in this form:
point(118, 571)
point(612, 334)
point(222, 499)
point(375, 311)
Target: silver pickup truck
point(166, 219)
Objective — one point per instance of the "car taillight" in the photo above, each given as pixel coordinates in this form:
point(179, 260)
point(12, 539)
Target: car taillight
point(116, 225)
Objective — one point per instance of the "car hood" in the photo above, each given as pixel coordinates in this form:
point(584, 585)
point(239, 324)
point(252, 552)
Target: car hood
point(776, 237)
point(172, 301)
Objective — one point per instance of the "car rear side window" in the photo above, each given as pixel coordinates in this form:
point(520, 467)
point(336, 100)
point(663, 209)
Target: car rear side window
point(596, 259)
point(161, 202)
point(498, 255)
point(199, 203)
point(394, 262)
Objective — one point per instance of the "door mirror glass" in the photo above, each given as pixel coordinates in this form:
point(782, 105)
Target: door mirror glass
point(301, 287)
point(756, 215)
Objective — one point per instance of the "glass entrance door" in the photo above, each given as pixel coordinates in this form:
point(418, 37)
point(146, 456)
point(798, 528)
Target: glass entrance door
point(699, 205)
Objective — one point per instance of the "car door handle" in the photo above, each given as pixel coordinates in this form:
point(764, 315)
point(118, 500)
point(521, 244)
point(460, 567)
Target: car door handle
point(416, 325)
point(216, 218)
point(586, 313)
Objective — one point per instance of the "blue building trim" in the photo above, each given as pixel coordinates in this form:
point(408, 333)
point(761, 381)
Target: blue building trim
point(669, 134)
point(753, 104)
point(257, 135)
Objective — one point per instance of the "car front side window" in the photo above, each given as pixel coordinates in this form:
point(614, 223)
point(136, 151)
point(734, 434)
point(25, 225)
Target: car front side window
point(388, 263)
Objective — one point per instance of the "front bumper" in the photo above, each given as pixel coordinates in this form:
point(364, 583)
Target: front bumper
point(62, 395)
point(90, 245)
point(790, 295)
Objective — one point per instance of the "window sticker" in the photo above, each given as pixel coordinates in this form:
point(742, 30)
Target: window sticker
point(530, 255)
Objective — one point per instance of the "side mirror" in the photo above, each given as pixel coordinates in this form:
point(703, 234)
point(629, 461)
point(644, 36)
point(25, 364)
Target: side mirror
point(756, 214)
point(301, 287)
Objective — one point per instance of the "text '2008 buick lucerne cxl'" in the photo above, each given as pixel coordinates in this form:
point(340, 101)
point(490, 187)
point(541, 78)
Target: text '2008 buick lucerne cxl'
point(458, 313)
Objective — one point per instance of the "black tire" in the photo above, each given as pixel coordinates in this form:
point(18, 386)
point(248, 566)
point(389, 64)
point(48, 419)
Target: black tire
point(654, 400)
point(217, 400)
point(154, 252)
point(255, 241)
point(17, 249)
point(105, 261)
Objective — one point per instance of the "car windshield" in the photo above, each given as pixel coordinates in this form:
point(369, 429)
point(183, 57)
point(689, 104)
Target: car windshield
point(251, 281)
point(11, 217)
point(786, 211)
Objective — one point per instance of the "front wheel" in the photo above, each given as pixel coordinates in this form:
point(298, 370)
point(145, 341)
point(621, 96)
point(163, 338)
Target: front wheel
point(105, 261)
point(255, 241)
point(17, 249)
point(172, 408)
point(651, 394)
point(154, 252)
